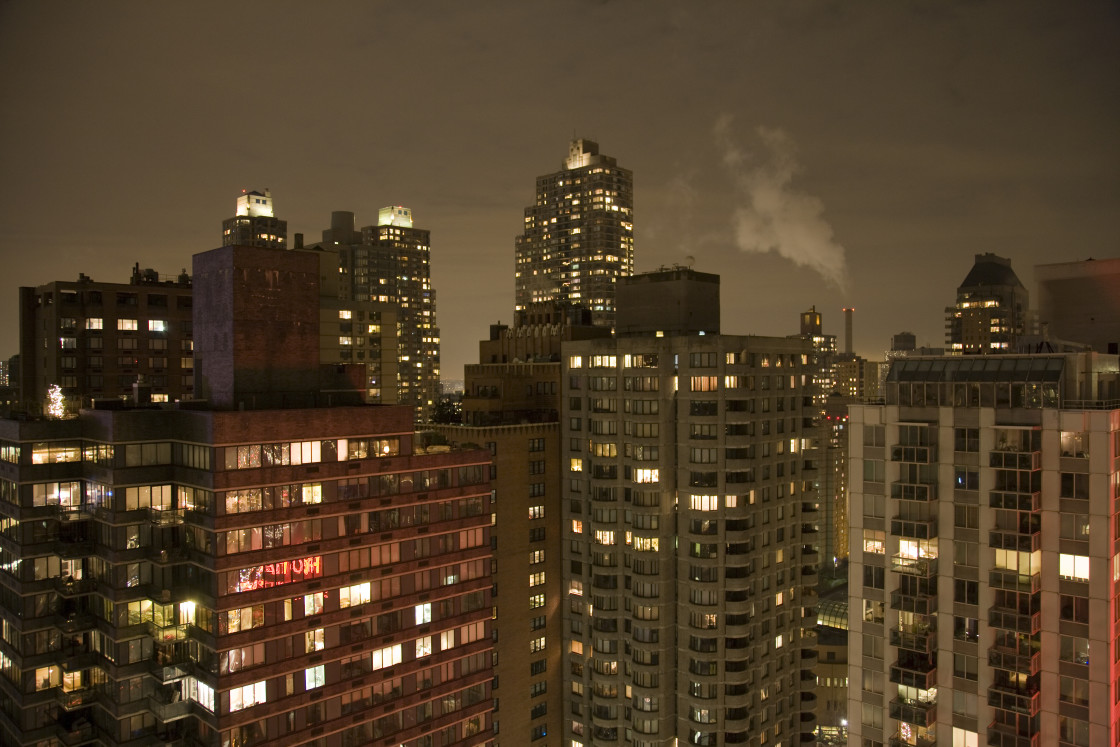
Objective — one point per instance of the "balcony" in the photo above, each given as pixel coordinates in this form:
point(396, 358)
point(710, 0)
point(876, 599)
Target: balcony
point(917, 712)
point(914, 454)
point(914, 528)
point(166, 517)
point(1015, 501)
point(925, 604)
point(1003, 735)
point(1002, 539)
point(920, 567)
point(922, 641)
point(1029, 460)
point(910, 491)
point(922, 675)
point(1013, 700)
point(1012, 581)
point(1013, 621)
point(897, 741)
point(1015, 662)
point(75, 698)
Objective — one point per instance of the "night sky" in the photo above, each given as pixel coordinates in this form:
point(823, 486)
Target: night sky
point(812, 153)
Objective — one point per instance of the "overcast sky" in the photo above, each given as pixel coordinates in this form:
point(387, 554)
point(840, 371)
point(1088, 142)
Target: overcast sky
point(811, 153)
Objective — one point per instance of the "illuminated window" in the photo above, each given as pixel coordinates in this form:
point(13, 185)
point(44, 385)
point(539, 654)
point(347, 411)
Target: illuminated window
point(536, 601)
point(576, 464)
point(313, 640)
point(248, 696)
point(874, 541)
point(646, 475)
point(157, 325)
point(703, 502)
point(351, 596)
point(94, 323)
point(423, 613)
point(1073, 567)
point(313, 677)
point(127, 325)
point(536, 579)
point(424, 646)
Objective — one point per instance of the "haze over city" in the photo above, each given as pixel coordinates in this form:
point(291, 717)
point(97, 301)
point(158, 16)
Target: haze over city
point(819, 153)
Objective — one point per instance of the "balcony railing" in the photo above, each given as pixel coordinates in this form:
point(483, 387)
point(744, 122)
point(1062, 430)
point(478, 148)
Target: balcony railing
point(914, 528)
point(1011, 700)
point(916, 712)
point(1012, 581)
point(1013, 621)
point(921, 641)
point(1002, 539)
point(922, 567)
point(919, 605)
point(914, 454)
point(911, 675)
point(1015, 501)
point(1015, 662)
point(911, 491)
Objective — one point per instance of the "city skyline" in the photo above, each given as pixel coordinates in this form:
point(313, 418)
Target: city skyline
point(878, 148)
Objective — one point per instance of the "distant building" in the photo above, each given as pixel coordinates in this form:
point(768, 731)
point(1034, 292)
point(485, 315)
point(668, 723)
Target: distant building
point(1080, 302)
point(390, 264)
point(991, 311)
point(977, 592)
point(96, 339)
point(254, 223)
point(579, 235)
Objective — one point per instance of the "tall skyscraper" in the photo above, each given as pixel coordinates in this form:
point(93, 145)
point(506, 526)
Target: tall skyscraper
point(982, 610)
point(689, 535)
point(390, 263)
point(991, 311)
point(241, 575)
point(579, 235)
point(254, 223)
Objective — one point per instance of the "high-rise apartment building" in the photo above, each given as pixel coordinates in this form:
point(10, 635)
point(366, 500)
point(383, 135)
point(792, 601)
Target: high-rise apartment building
point(390, 263)
point(511, 405)
point(95, 339)
point(255, 223)
point(578, 238)
point(982, 609)
point(240, 575)
point(991, 311)
point(689, 536)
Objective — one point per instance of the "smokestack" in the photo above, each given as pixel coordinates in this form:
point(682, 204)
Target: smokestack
point(848, 331)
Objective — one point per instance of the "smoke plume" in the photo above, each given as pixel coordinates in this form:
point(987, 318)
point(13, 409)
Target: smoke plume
point(773, 216)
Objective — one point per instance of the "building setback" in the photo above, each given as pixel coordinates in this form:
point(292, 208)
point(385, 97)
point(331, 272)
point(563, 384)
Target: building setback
point(977, 591)
point(579, 235)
